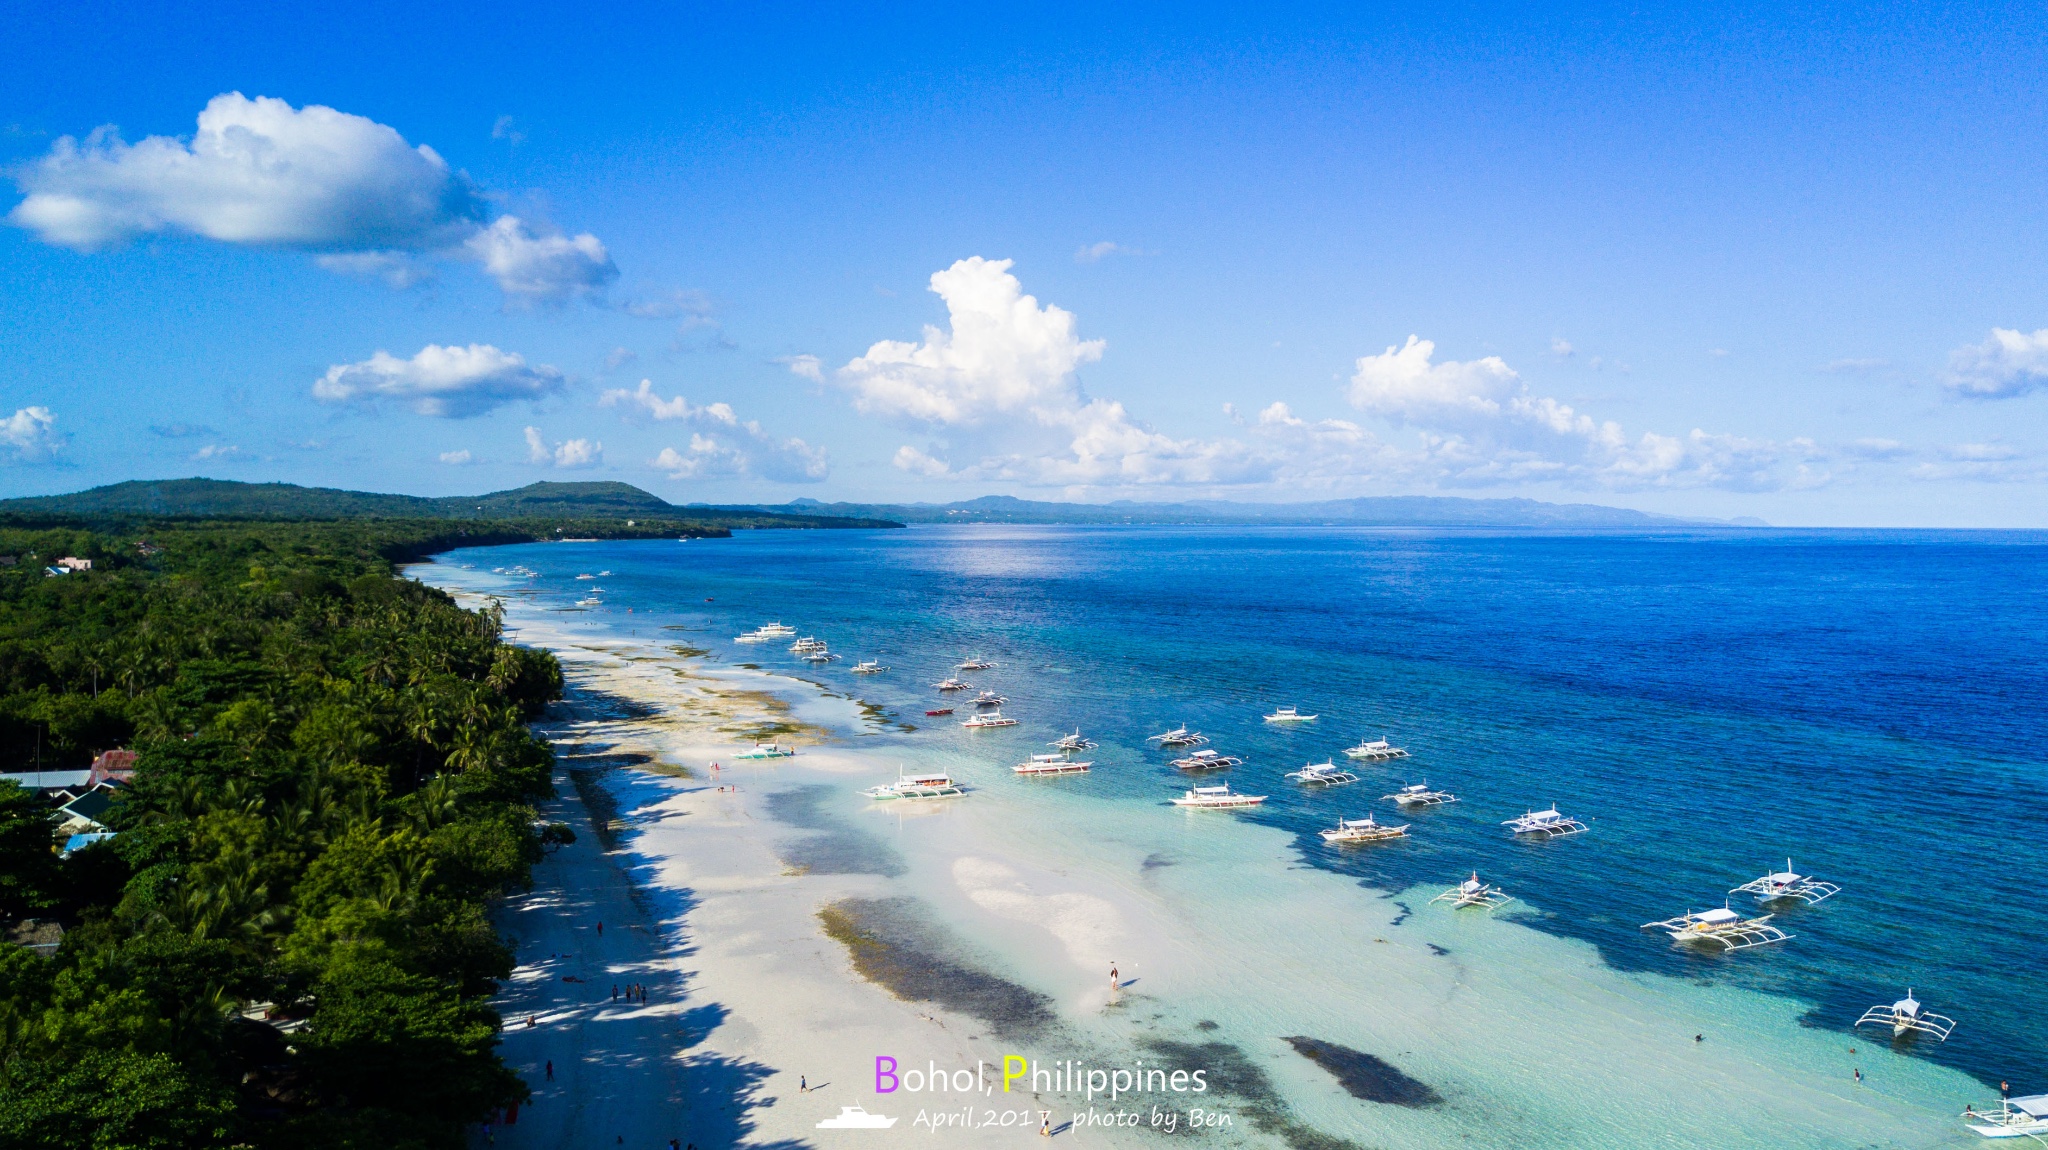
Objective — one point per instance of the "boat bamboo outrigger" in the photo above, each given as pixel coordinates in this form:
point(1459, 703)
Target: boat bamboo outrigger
point(926, 785)
point(1217, 796)
point(1907, 1017)
point(868, 667)
point(1179, 737)
point(1324, 774)
point(989, 699)
point(1208, 761)
point(2015, 1118)
point(767, 751)
point(989, 719)
point(1472, 892)
point(821, 656)
point(976, 663)
point(1073, 743)
point(952, 684)
point(1053, 764)
point(1788, 884)
point(766, 633)
point(1375, 751)
point(1419, 795)
point(807, 644)
point(1363, 830)
point(1720, 927)
point(1545, 824)
point(1289, 715)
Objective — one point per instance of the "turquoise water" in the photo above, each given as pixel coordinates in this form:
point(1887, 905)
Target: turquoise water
point(1865, 703)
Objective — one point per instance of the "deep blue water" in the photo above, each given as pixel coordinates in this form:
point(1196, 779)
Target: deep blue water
point(1867, 703)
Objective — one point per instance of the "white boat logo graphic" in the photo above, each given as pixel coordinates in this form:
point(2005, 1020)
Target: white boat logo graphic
point(854, 1118)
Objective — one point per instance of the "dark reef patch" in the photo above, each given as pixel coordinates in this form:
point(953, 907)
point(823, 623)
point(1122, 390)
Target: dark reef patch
point(895, 946)
point(1234, 1076)
point(1364, 1076)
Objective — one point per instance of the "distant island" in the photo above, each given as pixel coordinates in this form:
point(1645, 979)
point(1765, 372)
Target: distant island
point(228, 499)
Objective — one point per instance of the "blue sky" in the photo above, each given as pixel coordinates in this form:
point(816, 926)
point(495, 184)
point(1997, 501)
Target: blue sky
point(1766, 261)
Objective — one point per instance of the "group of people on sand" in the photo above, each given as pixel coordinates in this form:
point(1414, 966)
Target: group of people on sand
point(634, 992)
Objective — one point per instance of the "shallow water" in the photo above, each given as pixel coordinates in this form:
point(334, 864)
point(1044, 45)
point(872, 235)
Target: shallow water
point(1711, 703)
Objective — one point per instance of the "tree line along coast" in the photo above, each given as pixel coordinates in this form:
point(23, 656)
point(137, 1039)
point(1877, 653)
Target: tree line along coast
point(263, 921)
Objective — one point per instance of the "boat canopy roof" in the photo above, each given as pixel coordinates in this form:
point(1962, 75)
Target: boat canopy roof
point(2035, 1105)
point(1222, 790)
point(1785, 877)
point(1717, 915)
point(935, 778)
point(1907, 1005)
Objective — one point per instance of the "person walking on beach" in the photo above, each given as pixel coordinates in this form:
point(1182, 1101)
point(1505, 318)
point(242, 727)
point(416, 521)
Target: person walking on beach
point(1113, 982)
point(1045, 1124)
point(1859, 1074)
point(803, 1084)
point(551, 1070)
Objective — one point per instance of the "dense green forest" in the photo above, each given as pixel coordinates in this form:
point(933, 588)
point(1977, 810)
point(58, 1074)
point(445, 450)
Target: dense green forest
point(335, 778)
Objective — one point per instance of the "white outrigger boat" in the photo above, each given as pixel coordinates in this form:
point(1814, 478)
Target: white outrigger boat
point(1054, 764)
point(1363, 830)
point(1208, 761)
point(593, 601)
point(952, 684)
point(977, 663)
point(990, 719)
point(1324, 774)
point(1217, 796)
point(868, 667)
point(1788, 884)
point(1072, 743)
point(989, 699)
point(807, 644)
point(1375, 750)
point(766, 633)
point(927, 785)
point(2015, 1118)
point(1419, 795)
point(1179, 737)
point(821, 656)
point(1289, 715)
point(1472, 892)
point(1720, 927)
point(767, 751)
point(1548, 824)
point(1907, 1017)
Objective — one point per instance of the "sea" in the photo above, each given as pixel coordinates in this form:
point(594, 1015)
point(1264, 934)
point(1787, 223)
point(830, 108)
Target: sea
point(1712, 704)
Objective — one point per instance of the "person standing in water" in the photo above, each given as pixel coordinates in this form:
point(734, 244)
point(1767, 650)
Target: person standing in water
point(1113, 982)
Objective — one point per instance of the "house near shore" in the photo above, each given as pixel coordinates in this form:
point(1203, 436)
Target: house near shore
point(115, 766)
point(74, 563)
point(50, 783)
point(83, 815)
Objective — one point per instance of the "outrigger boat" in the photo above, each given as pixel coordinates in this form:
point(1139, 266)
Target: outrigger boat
point(1548, 824)
point(2015, 1118)
point(868, 667)
point(977, 663)
point(767, 632)
point(1419, 795)
point(1289, 715)
point(821, 656)
point(1472, 892)
point(807, 644)
point(767, 751)
point(929, 785)
point(991, 719)
point(1787, 884)
point(940, 711)
point(989, 699)
point(1720, 927)
point(1219, 796)
point(1326, 774)
point(590, 602)
point(1208, 761)
point(1363, 830)
point(951, 684)
point(1179, 737)
point(1376, 750)
point(1906, 1017)
point(1054, 764)
point(1072, 743)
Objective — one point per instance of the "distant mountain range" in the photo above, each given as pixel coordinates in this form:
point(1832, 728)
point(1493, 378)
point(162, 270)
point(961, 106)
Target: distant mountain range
point(226, 499)
point(1377, 511)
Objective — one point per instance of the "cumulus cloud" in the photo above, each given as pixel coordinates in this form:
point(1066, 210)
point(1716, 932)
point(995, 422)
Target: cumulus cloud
point(569, 453)
point(218, 452)
point(261, 173)
point(917, 462)
point(808, 366)
point(1480, 424)
point(724, 444)
point(2010, 363)
point(456, 458)
point(451, 382)
point(545, 267)
point(30, 435)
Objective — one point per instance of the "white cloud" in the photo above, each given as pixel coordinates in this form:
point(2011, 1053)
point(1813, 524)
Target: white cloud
point(457, 458)
point(569, 453)
point(1981, 462)
point(1561, 348)
point(916, 462)
point(507, 129)
point(619, 357)
point(256, 172)
point(1481, 425)
point(452, 382)
point(1002, 354)
point(543, 268)
point(1096, 252)
point(727, 444)
point(30, 435)
point(808, 366)
point(2010, 363)
point(218, 451)
point(261, 173)
point(1877, 448)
